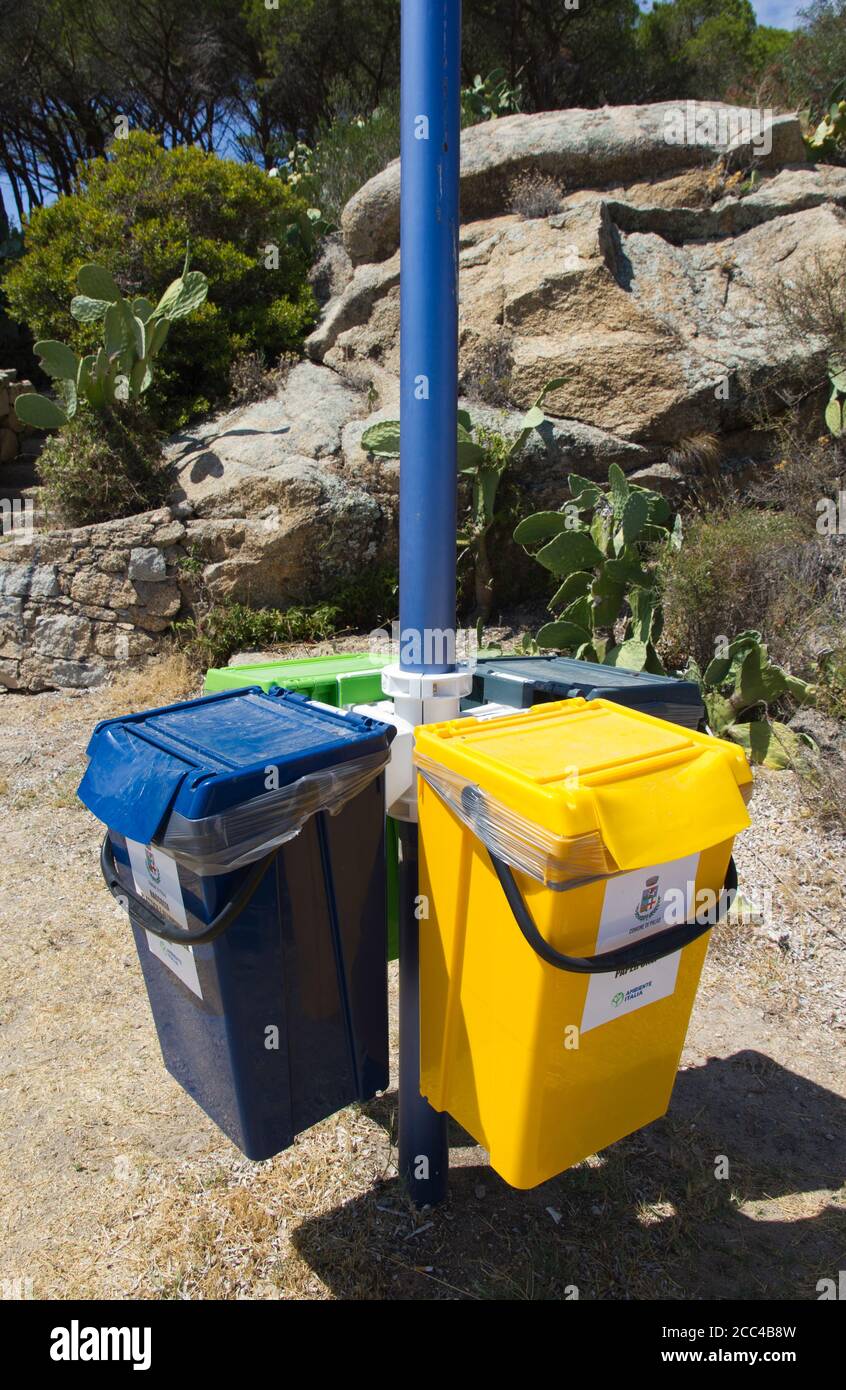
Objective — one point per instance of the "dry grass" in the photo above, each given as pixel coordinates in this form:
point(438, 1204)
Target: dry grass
point(740, 568)
point(824, 788)
point(159, 682)
point(113, 1184)
point(487, 369)
point(532, 194)
point(697, 453)
point(250, 378)
point(813, 305)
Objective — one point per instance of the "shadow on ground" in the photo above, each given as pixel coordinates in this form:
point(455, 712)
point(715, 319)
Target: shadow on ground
point(648, 1219)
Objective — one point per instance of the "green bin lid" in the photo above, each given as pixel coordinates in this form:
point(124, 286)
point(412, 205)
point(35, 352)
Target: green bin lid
point(344, 678)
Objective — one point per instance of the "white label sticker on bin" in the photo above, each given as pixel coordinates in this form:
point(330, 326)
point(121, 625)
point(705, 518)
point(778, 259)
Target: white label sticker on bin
point(179, 959)
point(156, 878)
point(637, 905)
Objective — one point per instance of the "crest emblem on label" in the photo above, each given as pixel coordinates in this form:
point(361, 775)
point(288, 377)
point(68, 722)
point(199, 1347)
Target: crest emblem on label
point(152, 867)
point(648, 899)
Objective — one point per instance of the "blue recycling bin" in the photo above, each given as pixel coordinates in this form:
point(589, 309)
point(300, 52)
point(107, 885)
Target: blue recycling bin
point(523, 681)
point(245, 837)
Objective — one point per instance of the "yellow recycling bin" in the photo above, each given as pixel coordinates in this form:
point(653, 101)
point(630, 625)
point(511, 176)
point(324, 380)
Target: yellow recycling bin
point(572, 857)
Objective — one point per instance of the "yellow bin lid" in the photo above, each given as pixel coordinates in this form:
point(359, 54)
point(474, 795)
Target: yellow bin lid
point(652, 790)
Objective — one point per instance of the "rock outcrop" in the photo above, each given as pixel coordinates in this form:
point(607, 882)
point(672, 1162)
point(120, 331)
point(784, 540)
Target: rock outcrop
point(584, 149)
point(268, 484)
point(652, 299)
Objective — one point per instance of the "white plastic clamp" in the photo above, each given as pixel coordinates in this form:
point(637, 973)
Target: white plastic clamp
point(422, 698)
point(417, 699)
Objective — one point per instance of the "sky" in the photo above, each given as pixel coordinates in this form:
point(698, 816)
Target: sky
point(781, 13)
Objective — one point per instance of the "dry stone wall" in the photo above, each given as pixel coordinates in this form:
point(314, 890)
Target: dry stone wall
point(73, 604)
point(15, 438)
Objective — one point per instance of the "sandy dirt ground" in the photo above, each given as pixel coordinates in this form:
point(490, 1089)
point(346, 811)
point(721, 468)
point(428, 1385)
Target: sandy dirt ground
point(113, 1184)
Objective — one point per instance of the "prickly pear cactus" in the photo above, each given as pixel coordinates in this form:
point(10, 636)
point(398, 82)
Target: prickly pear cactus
point(122, 369)
point(740, 688)
point(829, 137)
point(596, 545)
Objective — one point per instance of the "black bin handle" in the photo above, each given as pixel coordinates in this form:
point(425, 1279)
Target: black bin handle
point(663, 943)
point(151, 922)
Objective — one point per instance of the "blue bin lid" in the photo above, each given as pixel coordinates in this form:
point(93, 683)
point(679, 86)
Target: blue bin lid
point(206, 755)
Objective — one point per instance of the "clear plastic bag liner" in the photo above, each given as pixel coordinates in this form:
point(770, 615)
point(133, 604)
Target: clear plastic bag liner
point(553, 861)
point(240, 835)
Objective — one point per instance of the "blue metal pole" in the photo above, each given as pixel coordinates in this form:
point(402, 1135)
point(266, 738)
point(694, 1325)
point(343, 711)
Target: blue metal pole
point(430, 125)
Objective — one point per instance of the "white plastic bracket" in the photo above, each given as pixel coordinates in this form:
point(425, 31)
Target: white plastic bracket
point(426, 699)
point(399, 774)
point(417, 699)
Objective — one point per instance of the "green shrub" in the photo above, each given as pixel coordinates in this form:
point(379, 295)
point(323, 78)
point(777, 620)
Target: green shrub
point(353, 144)
point(15, 340)
point(349, 150)
point(490, 97)
point(738, 569)
point(103, 466)
point(370, 600)
point(215, 632)
point(134, 213)
point(212, 638)
point(816, 59)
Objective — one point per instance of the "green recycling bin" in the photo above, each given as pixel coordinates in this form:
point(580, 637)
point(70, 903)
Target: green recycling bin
point(341, 679)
